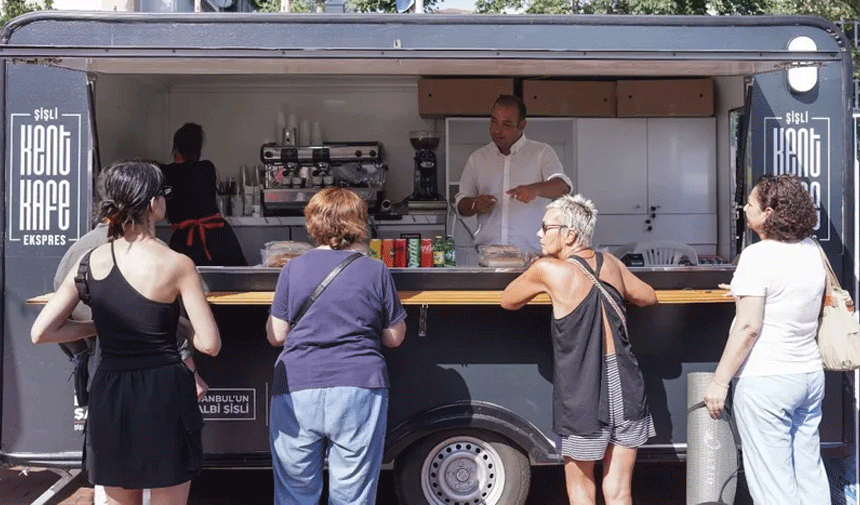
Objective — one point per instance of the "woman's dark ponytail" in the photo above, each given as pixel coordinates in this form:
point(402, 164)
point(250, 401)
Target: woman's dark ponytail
point(128, 188)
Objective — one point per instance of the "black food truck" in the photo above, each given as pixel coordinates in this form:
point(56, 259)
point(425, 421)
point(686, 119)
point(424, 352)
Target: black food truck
point(664, 122)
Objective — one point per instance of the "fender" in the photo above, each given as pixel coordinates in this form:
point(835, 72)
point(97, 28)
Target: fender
point(472, 414)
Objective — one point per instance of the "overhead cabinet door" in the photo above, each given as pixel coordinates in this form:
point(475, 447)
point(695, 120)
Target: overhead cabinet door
point(611, 166)
point(682, 165)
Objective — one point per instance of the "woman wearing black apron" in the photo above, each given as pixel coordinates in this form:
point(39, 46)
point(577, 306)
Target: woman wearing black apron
point(199, 230)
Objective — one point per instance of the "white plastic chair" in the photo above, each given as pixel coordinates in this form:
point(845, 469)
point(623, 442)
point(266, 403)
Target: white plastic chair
point(665, 252)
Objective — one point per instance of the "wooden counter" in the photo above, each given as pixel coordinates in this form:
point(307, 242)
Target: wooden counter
point(667, 296)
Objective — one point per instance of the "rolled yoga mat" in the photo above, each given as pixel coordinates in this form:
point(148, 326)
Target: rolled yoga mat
point(712, 455)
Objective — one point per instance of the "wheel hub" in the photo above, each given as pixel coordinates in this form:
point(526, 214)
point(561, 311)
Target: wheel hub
point(463, 470)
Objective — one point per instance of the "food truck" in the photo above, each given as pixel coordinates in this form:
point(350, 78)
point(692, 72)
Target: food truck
point(664, 122)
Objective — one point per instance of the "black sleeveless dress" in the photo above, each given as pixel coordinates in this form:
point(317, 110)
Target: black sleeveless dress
point(580, 380)
point(143, 426)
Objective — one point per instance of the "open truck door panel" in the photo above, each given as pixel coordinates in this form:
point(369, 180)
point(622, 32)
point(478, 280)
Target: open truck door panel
point(469, 373)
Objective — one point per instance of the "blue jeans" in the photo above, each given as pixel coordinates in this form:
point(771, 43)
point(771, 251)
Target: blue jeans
point(777, 418)
point(348, 424)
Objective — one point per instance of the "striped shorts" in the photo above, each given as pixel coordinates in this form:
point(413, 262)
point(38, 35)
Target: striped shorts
point(618, 432)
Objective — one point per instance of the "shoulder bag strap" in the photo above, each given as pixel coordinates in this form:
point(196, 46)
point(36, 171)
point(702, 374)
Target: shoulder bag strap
point(832, 281)
point(81, 278)
point(602, 291)
point(324, 284)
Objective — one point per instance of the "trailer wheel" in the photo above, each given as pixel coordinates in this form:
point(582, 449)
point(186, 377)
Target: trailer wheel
point(463, 467)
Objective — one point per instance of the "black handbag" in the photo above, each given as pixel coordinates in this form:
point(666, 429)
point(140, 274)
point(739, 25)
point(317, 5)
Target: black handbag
point(324, 284)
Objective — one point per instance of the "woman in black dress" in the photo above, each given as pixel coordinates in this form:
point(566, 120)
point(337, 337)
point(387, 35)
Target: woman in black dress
point(143, 426)
point(199, 230)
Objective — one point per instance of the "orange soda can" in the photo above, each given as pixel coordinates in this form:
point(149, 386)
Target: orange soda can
point(388, 252)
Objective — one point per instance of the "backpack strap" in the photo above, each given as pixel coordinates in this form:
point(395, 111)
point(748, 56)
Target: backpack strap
point(81, 278)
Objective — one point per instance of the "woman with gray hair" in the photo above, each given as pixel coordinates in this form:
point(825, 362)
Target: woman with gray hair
point(599, 407)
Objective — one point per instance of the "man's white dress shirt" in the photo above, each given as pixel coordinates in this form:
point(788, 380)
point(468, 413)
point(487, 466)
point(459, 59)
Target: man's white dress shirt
point(489, 172)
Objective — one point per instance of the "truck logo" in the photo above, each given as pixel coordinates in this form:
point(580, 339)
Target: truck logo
point(798, 144)
point(45, 177)
point(229, 404)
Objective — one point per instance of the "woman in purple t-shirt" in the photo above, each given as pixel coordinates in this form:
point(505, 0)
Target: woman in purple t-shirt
point(330, 385)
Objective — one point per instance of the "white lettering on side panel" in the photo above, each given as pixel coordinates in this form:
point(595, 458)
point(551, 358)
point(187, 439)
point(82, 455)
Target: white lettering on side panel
point(797, 144)
point(45, 177)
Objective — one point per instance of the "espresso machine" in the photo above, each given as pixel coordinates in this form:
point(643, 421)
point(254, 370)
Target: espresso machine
point(293, 174)
point(425, 196)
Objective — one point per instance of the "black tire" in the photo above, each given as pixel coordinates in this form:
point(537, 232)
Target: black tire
point(460, 467)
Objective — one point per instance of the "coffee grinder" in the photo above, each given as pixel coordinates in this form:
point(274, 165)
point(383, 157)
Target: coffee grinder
point(426, 193)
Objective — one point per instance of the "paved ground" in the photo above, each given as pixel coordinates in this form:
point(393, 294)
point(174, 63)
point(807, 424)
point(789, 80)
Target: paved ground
point(652, 485)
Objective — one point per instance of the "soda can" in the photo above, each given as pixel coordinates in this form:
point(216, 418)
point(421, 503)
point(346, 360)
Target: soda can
point(376, 248)
point(426, 252)
point(388, 252)
point(399, 252)
point(413, 252)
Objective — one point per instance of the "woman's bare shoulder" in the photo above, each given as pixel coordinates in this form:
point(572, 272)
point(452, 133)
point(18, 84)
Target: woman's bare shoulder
point(555, 271)
point(172, 260)
point(549, 265)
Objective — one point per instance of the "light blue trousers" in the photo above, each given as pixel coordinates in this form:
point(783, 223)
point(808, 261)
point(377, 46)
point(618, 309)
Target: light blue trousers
point(778, 418)
point(348, 424)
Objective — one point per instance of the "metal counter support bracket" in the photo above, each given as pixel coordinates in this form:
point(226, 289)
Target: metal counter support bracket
point(66, 479)
point(422, 321)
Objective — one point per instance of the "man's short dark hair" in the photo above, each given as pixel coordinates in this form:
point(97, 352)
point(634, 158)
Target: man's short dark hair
point(512, 101)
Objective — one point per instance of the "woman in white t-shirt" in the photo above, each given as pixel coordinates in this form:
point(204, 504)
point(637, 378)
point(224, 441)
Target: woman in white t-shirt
point(771, 350)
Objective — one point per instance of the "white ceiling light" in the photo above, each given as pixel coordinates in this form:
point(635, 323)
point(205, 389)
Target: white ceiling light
point(802, 79)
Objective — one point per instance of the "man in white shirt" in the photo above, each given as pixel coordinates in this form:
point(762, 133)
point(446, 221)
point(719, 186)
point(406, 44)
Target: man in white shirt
point(509, 182)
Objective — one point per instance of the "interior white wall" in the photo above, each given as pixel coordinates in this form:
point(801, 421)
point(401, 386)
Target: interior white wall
point(131, 116)
point(237, 118)
point(729, 94)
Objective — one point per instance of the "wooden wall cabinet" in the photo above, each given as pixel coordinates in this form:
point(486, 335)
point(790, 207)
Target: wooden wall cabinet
point(438, 98)
point(569, 98)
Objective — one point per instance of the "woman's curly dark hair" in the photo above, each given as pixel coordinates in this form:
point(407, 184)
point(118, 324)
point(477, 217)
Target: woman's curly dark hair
point(794, 215)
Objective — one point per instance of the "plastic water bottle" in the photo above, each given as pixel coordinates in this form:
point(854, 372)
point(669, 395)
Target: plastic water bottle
point(450, 246)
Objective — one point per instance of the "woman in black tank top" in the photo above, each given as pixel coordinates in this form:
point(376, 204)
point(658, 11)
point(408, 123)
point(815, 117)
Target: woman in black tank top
point(599, 405)
point(199, 230)
point(143, 425)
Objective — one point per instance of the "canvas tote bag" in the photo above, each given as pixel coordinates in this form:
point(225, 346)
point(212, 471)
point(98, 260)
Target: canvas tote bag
point(838, 330)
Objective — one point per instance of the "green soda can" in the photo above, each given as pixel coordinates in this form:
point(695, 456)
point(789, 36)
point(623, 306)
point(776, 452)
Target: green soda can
point(413, 252)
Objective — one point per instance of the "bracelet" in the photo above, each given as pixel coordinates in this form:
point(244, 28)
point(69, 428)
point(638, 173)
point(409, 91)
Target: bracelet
point(724, 386)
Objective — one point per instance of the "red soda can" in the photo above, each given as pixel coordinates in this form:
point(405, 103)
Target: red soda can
point(388, 252)
point(400, 253)
point(426, 252)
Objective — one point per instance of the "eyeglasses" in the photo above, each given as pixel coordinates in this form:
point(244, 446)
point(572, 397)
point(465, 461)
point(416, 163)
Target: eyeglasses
point(165, 191)
point(545, 227)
